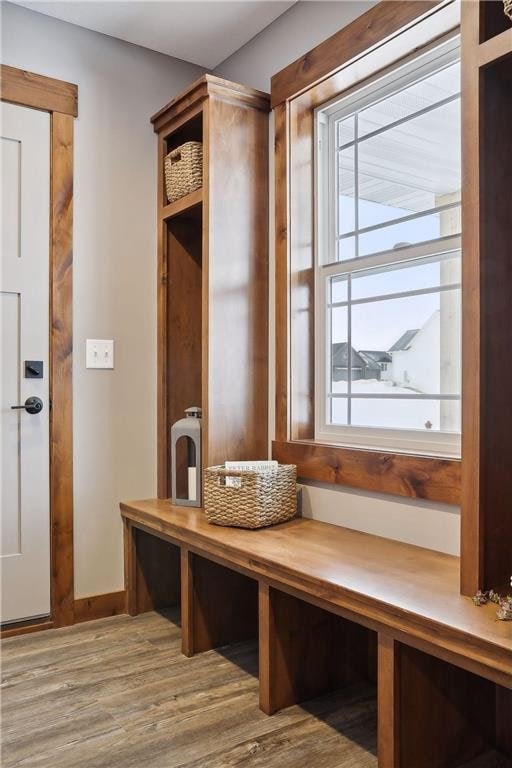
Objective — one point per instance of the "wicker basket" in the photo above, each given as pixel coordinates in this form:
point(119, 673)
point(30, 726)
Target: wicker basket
point(250, 498)
point(183, 170)
point(507, 7)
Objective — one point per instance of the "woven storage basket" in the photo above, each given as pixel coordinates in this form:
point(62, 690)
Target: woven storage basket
point(507, 6)
point(261, 497)
point(183, 170)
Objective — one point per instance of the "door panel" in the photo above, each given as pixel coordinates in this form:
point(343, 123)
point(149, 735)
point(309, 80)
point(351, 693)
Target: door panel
point(11, 507)
point(24, 334)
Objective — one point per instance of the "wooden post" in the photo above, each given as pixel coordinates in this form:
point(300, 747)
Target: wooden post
point(187, 603)
point(129, 568)
point(388, 702)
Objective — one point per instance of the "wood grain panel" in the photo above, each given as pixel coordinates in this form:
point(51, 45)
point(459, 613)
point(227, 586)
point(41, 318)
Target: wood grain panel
point(302, 273)
point(183, 331)
point(282, 287)
point(493, 20)
point(130, 560)
point(305, 651)
point(30, 90)
point(388, 702)
point(100, 606)
point(416, 477)
point(156, 573)
point(471, 578)
point(496, 325)
point(187, 602)
point(409, 592)
point(61, 368)
point(199, 90)
point(486, 534)
point(446, 714)
point(370, 29)
point(495, 48)
point(183, 205)
point(432, 714)
point(162, 290)
point(219, 605)
point(237, 282)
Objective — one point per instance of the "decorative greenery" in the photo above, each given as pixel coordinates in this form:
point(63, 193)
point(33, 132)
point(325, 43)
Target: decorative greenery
point(504, 612)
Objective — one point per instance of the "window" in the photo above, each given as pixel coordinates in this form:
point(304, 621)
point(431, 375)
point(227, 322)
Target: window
point(388, 285)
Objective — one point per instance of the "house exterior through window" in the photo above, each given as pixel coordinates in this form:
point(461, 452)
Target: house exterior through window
point(388, 291)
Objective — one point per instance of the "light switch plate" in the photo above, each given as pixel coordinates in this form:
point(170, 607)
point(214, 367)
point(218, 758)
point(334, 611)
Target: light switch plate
point(99, 353)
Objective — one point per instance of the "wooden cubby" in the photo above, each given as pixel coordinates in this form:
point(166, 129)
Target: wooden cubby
point(213, 274)
point(493, 20)
point(486, 552)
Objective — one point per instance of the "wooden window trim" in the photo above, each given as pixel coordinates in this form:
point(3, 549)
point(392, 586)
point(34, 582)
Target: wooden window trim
point(60, 99)
point(418, 477)
point(316, 78)
point(368, 31)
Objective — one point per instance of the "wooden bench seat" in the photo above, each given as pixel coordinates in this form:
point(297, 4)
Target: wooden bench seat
point(295, 581)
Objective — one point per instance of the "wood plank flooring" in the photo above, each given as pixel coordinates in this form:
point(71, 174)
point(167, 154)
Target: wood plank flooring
point(117, 693)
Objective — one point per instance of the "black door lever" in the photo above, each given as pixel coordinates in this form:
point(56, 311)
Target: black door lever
point(31, 405)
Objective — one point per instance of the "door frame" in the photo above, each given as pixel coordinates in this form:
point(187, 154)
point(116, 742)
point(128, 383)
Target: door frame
point(60, 100)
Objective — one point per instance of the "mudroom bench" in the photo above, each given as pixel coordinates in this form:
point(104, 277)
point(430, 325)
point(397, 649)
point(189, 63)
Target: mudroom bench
point(332, 606)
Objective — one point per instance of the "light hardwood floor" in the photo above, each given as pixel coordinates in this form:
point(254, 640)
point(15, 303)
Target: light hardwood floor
point(117, 693)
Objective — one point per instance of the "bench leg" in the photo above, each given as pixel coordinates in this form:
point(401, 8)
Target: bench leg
point(431, 714)
point(388, 702)
point(218, 606)
point(129, 567)
point(305, 651)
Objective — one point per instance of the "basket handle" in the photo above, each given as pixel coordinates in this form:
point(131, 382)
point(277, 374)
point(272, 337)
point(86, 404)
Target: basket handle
point(175, 154)
point(230, 481)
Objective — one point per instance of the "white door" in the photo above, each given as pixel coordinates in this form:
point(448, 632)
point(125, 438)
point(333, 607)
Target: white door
point(24, 317)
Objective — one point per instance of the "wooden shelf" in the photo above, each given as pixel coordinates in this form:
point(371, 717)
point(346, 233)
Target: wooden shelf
point(182, 205)
point(495, 48)
point(213, 276)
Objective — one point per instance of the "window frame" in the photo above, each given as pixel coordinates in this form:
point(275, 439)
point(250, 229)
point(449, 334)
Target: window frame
point(372, 44)
point(418, 442)
point(326, 118)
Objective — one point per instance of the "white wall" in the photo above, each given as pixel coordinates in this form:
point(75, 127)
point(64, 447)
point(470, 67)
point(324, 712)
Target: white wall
point(418, 365)
point(120, 86)
point(431, 525)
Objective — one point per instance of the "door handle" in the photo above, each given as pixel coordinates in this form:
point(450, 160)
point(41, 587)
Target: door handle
point(31, 405)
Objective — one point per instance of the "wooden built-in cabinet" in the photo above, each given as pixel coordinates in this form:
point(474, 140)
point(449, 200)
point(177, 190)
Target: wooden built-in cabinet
point(486, 556)
point(333, 607)
point(213, 274)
